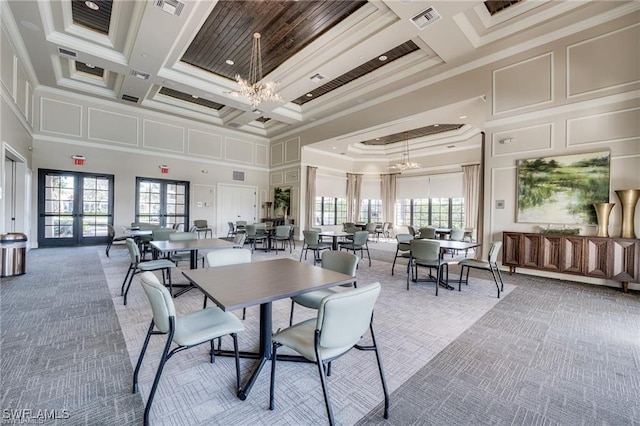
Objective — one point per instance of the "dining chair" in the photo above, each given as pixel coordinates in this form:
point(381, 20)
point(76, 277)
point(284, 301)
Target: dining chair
point(253, 236)
point(457, 235)
point(343, 318)
point(371, 228)
point(491, 265)
point(360, 242)
point(161, 234)
point(185, 331)
point(225, 257)
point(426, 253)
point(232, 230)
point(184, 255)
point(111, 233)
point(312, 242)
point(412, 231)
point(338, 261)
point(428, 232)
point(241, 225)
point(239, 239)
point(202, 226)
point(282, 234)
point(403, 247)
point(137, 266)
point(387, 229)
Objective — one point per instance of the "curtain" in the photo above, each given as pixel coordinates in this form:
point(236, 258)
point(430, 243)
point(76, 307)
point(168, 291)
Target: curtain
point(388, 195)
point(311, 196)
point(354, 197)
point(471, 188)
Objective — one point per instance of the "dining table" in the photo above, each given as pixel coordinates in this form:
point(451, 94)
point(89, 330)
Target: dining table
point(261, 283)
point(334, 237)
point(446, 245)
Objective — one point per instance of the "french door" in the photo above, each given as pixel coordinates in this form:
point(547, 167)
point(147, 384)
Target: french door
point(73, 208)
point(162, 202)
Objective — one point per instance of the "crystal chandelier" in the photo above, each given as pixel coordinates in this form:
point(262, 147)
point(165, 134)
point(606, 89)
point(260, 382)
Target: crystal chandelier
point(253, 89)
point(405, 162)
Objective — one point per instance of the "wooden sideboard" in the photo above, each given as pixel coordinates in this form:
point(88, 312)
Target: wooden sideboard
point(611, 258)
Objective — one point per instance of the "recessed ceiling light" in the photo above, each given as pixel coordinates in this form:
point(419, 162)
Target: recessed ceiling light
point(451, 146)
point(377, 139)
point(382, 58)
point(462, 117)
point(309, 95)
point(91, 5)
point(30, 25)
point(435, 125)
point(333, 147)
point(90, 66)
point(229, 62)
point(144, 55)
point(195, 96)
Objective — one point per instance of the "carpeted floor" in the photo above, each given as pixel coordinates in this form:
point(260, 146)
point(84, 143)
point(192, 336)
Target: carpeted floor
point(547, 352)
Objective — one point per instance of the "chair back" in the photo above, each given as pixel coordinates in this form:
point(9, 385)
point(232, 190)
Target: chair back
point(162, 234)
point(428, 232)
point(232, 227)
point(134, 251)
point(176, 226)
point(283, 231)
point(311, 238)
point(230, 256)
point(425, 249)
point(493, 252)
point(111, 232)
point(160, 300)
point(371, 227)
point(345, 316)
point(183, 236)
point(360, 238)
point(412, 230)
point(241, 224)
point(251, 231)
point(200, 223)
point(456, 235)
point(144, 225)
point(404, 241)
point(340, 261)
point(239, 238)
point(351, 228)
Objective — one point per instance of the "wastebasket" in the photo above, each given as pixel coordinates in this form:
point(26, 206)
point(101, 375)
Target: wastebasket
point(13, 253)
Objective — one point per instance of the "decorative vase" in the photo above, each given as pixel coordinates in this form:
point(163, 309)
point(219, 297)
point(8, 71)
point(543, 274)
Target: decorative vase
point(602, 213)
point(629, 199)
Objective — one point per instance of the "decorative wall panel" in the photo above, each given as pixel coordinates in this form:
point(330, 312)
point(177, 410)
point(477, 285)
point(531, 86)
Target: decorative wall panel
point(524, 139)
point(612, 60)
point(6, 63)
point(292, 150)
point(106, 126)
point(204, 144)
point(238, 150)
point(524, 84)
point(277, 154)
point(163, 136)
point(276, 178)
point(21, 89)
point(605, 127)
point(62, 118)
point(262, 155)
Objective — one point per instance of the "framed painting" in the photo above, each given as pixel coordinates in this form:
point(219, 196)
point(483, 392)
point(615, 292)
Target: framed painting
point(562, 189)
point(281, 201)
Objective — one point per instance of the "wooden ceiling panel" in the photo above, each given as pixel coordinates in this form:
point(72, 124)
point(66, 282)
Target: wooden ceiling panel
point(413, 134)
point(97, 20)
point(286, 28)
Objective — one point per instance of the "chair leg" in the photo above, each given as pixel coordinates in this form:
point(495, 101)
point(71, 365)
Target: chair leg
point(382, 379)
point(500, 276)
point(140, 357)
point(126, 291)
point(460, 280)
point(368, 254)
point(244, 313)
point(125, 280)
point(212, 354)
point(495, 279)
point(272, 385)
point(293, 304)
point(394, 261)
point(108, 247)
point(234, 336)
point(156, 381)
point(325, 390)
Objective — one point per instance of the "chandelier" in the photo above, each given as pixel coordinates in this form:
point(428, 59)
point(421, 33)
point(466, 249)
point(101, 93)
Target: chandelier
point(254, 89)
point(405, 162)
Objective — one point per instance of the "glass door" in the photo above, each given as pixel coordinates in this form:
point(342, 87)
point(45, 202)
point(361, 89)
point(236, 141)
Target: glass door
point(162, 202)
point(74, 208)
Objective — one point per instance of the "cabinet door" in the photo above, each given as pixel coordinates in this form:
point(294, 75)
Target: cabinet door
point(573, 259)
point(511, 248)
point(551, 252)
point(530, 251)
point(599, 257)
point(626, 260)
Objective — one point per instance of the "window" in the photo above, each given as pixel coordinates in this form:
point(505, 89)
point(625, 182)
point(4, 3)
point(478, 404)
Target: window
point(438, 212)
point(163, 202)
point(371, 211)
point(330, 211)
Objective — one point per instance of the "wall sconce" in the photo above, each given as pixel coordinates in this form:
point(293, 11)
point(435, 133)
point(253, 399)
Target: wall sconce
point(78, 160)
point(164, 168)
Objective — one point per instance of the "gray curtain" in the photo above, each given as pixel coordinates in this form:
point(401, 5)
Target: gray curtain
point(311, 196)
point(354, 198)
point(388, 194)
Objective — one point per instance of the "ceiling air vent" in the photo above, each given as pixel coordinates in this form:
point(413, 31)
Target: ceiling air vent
point(65, 52)
point(172, 7)
point(426, 17)
point(316, 78)
point(139, 74)
point(238, 176)
point(130, 98)
point(234, 125)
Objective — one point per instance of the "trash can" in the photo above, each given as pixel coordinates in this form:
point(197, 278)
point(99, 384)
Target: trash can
point(13, 253)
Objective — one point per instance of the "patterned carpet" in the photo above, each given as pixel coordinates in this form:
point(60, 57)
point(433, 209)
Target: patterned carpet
point(547, 352)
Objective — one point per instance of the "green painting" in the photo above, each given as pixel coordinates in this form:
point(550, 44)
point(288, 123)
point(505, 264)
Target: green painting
point(562, 189)
point(281, 201)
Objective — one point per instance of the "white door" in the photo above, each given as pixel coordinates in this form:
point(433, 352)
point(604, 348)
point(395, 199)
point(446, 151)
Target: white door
point(235, 202)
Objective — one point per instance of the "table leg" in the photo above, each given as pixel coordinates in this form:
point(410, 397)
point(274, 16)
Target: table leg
point(265, 349)
point(335, 242)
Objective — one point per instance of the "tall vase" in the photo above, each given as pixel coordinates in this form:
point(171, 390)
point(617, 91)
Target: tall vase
point(602, 213)
point(629, 199)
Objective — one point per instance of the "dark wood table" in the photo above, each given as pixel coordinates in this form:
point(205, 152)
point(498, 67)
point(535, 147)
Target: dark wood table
point(261, 283)
point(335, 235)
point(193, 246)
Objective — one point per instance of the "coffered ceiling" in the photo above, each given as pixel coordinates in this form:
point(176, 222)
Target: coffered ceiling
point(181, 56)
